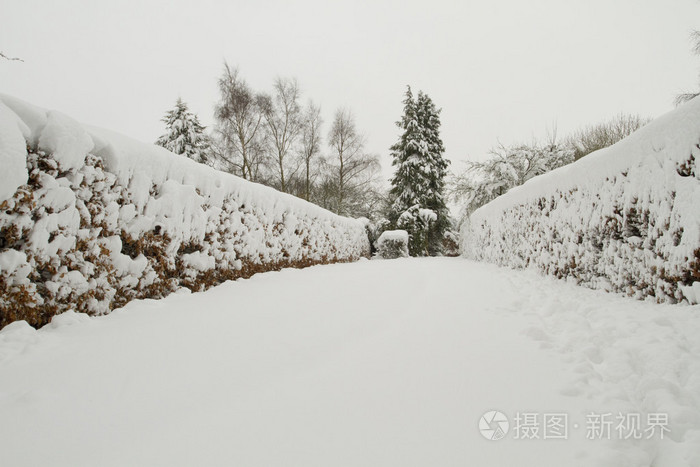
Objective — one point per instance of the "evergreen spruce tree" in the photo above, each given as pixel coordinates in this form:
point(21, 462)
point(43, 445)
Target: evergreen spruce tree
point(418, 183)
point(185, 135)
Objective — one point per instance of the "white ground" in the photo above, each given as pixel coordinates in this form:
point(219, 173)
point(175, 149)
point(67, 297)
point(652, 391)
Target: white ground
point(377, 363)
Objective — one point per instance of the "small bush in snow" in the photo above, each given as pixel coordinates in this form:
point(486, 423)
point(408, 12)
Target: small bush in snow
point(450, 244)
point(420, 223)
point(393, 244)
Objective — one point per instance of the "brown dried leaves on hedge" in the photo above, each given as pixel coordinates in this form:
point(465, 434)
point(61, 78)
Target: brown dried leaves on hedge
point(77, 268)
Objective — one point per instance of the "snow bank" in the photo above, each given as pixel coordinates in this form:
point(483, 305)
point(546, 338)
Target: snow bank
point(625, 218)
point(90, 220)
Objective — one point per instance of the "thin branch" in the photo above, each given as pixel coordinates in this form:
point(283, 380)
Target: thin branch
point(695, 37)
point(10, 58)
point(685, 97)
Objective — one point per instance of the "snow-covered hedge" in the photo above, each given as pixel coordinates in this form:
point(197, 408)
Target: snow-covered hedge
point(90, 220)
point(625, 218)
point(392, 244)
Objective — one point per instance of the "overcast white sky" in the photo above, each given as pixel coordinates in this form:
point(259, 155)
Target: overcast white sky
point(505, 70)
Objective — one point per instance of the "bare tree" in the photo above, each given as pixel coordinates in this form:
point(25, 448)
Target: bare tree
point(604, 134)
point(239, 116)
point(310, 145)
point(507, 167)
point(284, 123)
point(351, 169)
point(686, 96)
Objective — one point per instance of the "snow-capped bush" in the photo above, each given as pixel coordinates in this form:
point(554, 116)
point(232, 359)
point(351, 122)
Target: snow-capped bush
point(393, 244)
point(625, 218)
point(450, 244)
point(90, 220)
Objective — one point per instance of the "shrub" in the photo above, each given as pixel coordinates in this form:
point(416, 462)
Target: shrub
point(623, 219)
point(393, 244)
point(100, 221)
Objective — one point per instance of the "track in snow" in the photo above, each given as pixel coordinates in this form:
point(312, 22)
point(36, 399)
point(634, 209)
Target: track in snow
point(377, 363)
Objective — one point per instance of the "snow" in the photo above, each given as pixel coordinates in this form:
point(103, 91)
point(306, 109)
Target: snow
point(13, 152)
point(316, 374)
point(396, 235)
point(624, 218)
point(134, 161)
point(427, 215)
point(15, 338)
point(66, 140)
point(198, 261)
point(692, 292)
point(12, 260)
point(125, 157)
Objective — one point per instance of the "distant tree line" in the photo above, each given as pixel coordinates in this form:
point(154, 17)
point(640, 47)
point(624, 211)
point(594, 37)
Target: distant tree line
point(274, 139)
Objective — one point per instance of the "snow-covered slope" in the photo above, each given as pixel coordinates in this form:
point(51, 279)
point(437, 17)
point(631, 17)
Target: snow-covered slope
point(90, 219)
point(625, 218)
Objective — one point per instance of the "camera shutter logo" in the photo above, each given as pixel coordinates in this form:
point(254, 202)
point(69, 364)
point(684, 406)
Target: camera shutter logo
point(494, 425)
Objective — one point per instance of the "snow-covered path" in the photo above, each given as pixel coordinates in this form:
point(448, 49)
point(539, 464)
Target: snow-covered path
point(377, 363)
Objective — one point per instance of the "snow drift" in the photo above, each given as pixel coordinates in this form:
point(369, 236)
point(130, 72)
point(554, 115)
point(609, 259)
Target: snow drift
point(90, 220)
point(625, 218)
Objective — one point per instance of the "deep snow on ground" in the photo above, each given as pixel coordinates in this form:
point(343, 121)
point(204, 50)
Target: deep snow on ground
point(376, 363)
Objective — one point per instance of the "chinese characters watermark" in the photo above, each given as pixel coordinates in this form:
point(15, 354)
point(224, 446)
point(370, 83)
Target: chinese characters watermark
point(495, 425)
